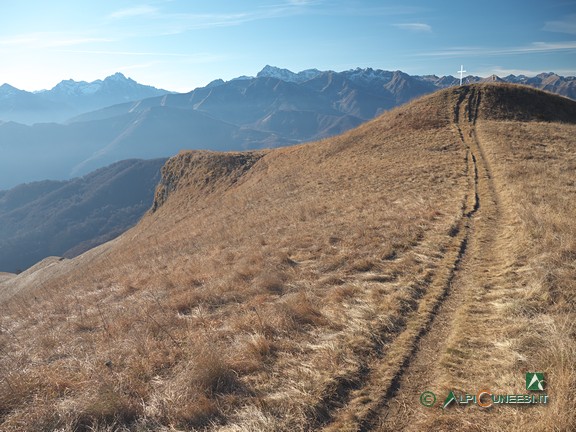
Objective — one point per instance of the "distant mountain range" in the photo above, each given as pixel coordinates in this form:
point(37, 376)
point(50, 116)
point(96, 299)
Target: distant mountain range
point(66, 218)
point(70, 98)
point(277, 107)
point(565, 86)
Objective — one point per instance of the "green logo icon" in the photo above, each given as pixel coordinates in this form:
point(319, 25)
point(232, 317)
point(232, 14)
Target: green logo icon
point(428, 399)
point(449, 399)
point(535, 381)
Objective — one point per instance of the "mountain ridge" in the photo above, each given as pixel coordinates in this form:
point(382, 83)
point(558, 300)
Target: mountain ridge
point(68, 217)
point(549, 81)
point(69, 98)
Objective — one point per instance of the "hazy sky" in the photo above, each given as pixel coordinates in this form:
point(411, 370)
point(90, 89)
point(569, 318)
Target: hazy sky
point(182, 44)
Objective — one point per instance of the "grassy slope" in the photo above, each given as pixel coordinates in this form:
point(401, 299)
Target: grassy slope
point(270, 289)
point(514, 309)
point(528, 307)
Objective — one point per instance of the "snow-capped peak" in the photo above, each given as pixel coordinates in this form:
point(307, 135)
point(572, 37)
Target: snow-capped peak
point(368, 75)
point(118, 76)
point(242, 78)
point(288, 75)
point(71, 87)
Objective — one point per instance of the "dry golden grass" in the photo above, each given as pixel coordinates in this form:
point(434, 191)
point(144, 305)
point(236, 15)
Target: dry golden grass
point(268, 289)
point(536, 163)
point(518, 308)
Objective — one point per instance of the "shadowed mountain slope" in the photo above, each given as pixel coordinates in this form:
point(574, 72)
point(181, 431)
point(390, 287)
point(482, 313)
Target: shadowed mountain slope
point(322, 286)
point(69, 217)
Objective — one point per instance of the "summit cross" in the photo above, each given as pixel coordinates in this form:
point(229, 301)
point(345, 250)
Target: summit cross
point(461, 72)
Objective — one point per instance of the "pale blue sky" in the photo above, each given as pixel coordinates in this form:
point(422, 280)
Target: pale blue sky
point(179, 45)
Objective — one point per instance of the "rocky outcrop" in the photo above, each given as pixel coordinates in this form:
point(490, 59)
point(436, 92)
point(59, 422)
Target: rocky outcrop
point(205, 170)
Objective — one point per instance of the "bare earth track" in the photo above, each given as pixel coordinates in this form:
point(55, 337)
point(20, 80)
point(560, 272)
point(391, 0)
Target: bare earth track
point(481, 248)
point(426, 332)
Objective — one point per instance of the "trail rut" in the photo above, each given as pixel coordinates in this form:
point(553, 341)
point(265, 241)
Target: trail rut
point(404, 411)
point(386, 395)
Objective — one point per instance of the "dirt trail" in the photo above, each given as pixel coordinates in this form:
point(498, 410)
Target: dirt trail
point(388, 396)
point(481, 257)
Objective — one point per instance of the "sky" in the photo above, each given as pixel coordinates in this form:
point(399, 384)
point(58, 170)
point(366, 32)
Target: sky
point(179, 45)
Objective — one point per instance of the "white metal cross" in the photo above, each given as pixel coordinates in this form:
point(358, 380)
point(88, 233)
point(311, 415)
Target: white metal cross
point(461, 72)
